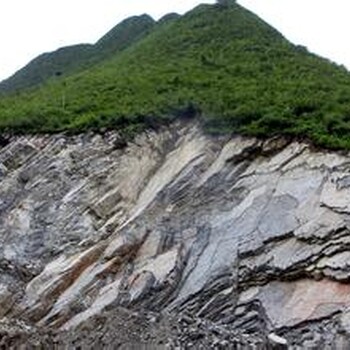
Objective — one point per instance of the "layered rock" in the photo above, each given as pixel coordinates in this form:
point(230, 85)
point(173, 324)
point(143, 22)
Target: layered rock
point(242, 236)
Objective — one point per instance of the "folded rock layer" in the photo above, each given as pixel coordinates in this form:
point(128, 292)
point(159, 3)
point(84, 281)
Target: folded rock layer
point(210, 241)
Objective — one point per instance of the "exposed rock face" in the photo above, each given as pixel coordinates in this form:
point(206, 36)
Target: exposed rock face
point(214, 237)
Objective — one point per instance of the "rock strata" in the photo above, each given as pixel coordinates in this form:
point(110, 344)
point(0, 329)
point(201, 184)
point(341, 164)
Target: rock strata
point(178, 239)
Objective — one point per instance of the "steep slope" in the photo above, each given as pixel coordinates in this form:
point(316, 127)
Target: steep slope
point(46, 66)
point(220, 62)
point(75, 58)
point(178, 238)
point(124, 35)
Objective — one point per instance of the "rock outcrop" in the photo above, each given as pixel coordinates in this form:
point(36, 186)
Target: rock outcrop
point(177, 239)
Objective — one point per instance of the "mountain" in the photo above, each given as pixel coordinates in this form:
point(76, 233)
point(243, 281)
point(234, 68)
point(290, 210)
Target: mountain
point(124, 34)
point(46, 66)
point(169, 17)
point(219, 63)
point(75, 58)
point(174, 226)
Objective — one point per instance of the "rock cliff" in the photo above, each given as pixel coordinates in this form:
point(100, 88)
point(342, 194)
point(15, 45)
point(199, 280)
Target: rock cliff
point(177, 239)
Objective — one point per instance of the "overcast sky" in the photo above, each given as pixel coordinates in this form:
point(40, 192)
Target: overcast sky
point(29, 28)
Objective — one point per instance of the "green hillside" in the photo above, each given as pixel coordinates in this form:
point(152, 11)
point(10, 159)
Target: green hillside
point(219, 63)
point(46, 66)
point(71, 59)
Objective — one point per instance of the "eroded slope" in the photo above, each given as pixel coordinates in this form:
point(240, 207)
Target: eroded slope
point(249, 236)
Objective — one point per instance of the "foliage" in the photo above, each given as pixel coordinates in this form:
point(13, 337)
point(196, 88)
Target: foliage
point(225, 3)
point(224, 64)
point(71, 59)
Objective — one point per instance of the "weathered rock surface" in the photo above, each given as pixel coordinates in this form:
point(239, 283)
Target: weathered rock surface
point(210, 242)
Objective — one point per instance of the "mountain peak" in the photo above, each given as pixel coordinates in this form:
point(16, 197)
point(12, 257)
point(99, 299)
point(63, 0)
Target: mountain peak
point(124, 32)
point(169, 17)
point(226, 3)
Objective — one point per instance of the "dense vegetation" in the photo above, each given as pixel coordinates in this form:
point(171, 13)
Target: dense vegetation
point(220, 63)
point(71, 59)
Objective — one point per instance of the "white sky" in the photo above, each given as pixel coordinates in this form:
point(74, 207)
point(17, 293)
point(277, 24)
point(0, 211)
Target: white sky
point(29, 28)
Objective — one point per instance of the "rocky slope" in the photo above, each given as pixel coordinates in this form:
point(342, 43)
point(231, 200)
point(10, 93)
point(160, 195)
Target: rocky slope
point(177, 239)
